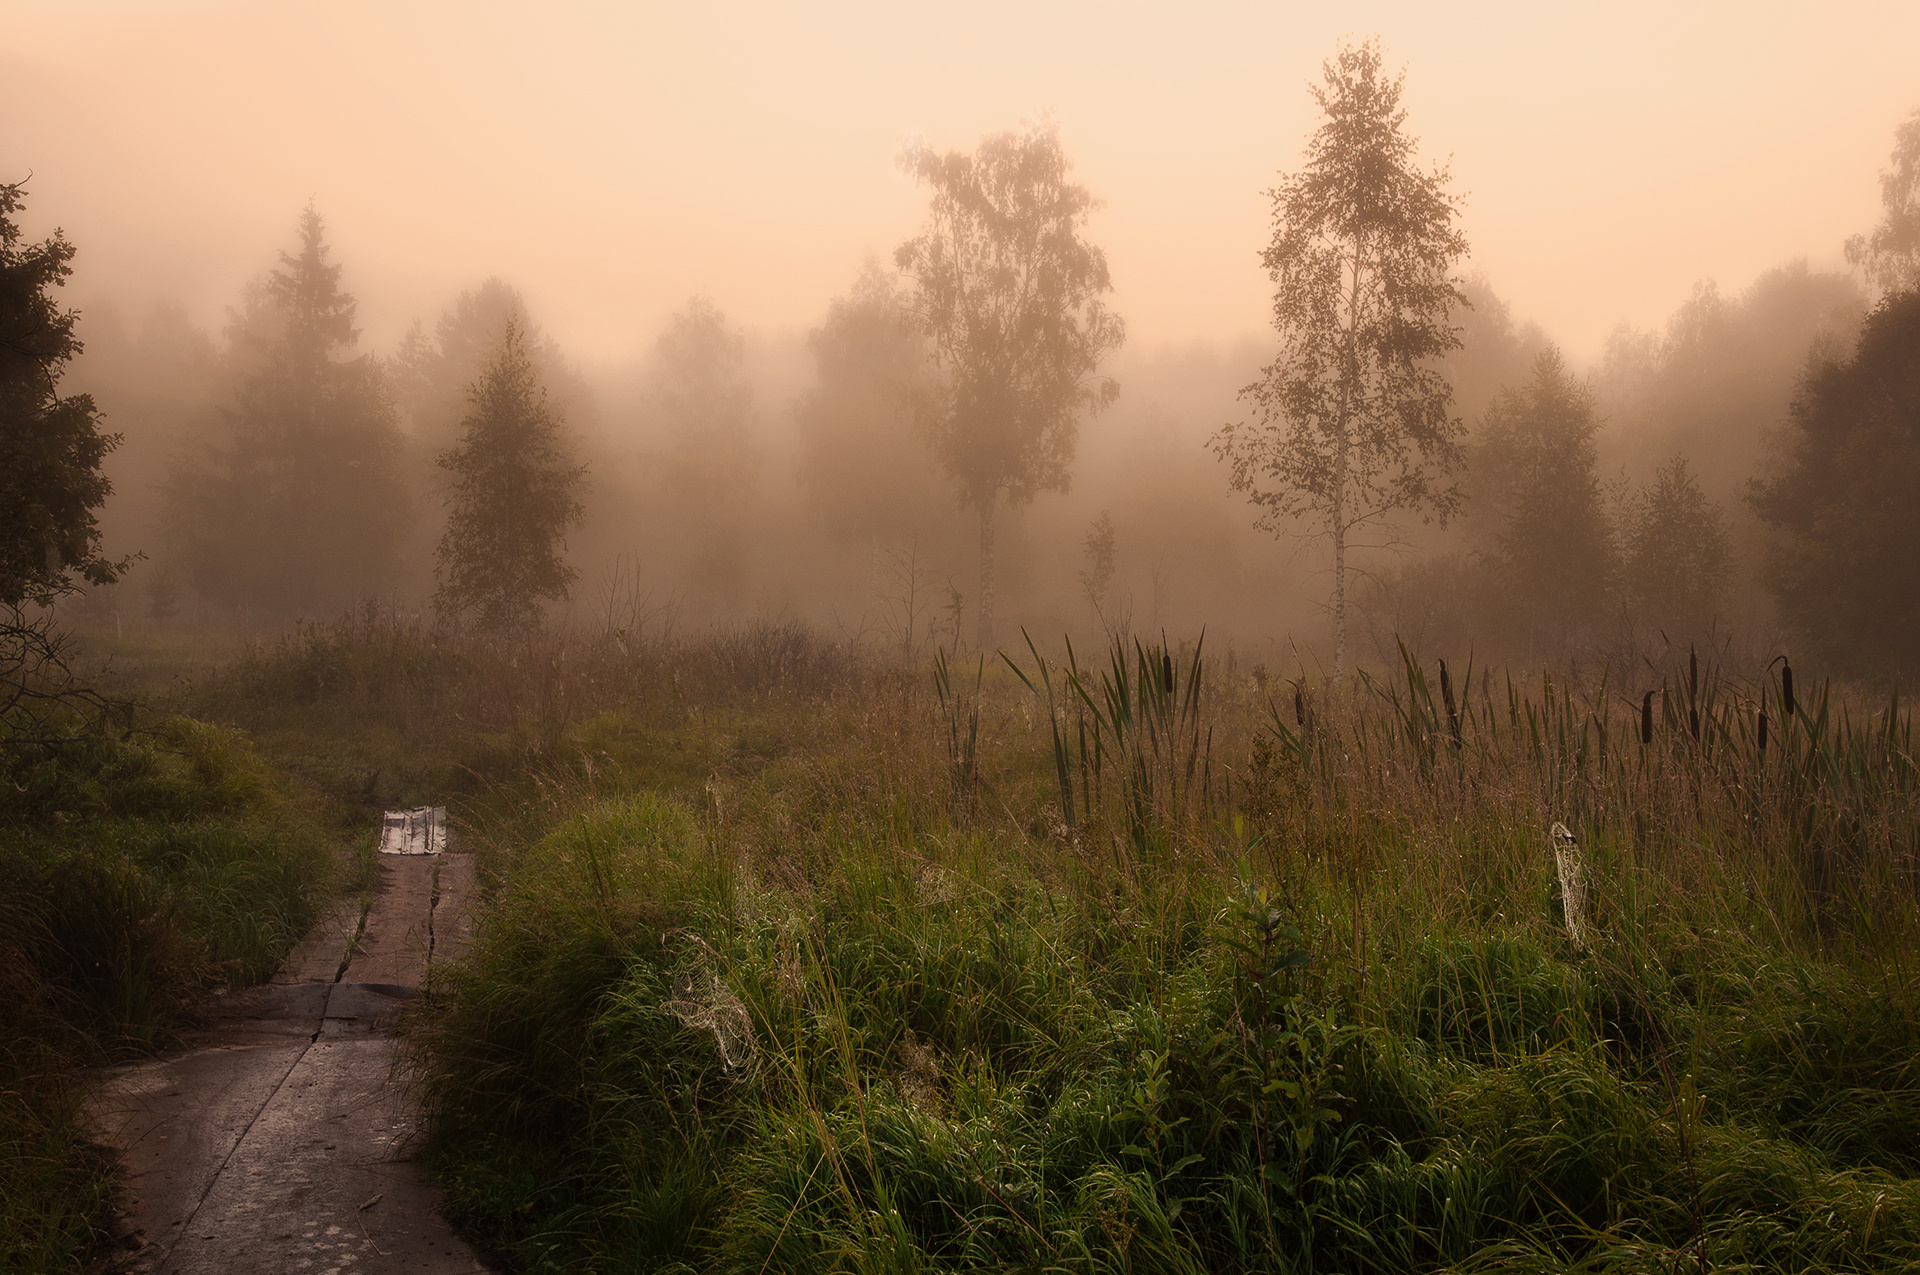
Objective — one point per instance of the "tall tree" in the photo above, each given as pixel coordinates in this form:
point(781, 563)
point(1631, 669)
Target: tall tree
point(1009, 294)
point(1536, 478)
point(1678, 555)
point(304, 504)
point(701, 396)
point(1890, 256)
point(1354, 422)
point(515, 492)
point(1845, 561)
point(51, 448)
point(864, 472)
point(434, 372)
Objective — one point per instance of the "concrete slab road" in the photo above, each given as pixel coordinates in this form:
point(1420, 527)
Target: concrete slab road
point(281, 1139)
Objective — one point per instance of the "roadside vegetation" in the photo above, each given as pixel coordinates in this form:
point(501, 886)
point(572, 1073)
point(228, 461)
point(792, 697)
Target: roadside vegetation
point(144, 860)
point(798, 958)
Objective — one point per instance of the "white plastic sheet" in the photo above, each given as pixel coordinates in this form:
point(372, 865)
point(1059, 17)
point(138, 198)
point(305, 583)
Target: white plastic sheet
point(421, 830)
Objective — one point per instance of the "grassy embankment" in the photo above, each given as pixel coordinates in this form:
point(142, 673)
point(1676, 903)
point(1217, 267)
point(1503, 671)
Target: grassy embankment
point(146, 858)
point(797, 963)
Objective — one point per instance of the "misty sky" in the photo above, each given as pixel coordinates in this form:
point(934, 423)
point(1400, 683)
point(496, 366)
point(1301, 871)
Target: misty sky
point(613, 159)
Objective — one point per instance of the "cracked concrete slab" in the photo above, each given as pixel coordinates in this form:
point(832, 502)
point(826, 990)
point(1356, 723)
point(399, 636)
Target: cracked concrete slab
point(282, 1138)
point(393, 945)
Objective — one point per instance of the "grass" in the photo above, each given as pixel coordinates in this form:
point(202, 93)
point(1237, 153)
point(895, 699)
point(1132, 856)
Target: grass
point(137, 869)
point(794, 959)
point(1137, 966)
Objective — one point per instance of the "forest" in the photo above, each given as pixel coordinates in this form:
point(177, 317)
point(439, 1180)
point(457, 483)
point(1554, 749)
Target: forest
point(953, 789)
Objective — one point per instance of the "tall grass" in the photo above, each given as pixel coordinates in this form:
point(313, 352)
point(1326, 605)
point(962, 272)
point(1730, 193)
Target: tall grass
point(1203, 975)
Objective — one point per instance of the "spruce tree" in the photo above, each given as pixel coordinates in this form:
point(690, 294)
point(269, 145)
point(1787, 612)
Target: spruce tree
point(303, 506)
point(515, 492)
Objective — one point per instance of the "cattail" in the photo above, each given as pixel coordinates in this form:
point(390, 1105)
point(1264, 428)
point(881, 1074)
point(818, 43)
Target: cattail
point(1646, 719)
point(1446, 695)
point(1693, 694)
point(1299, 706)
point(1763, 727)
point(1166, 671)
point(1786, 684)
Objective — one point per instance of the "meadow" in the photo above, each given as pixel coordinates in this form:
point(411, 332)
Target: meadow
point(802, 959)
point(804, 955)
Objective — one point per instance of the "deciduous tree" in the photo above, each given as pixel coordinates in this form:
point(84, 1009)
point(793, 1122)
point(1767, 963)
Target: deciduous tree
point(1353, 422)
point(1009, 294)
point(1844, 564)
point(865, 473)
point(1536, 476)
point(1890, 256)
point(1678, 555)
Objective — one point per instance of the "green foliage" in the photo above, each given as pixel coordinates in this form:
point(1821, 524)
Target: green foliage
point(1009, 296)
point(136, 871)
point(1537, 482)
point(301, 507)
point(1842, 566)
point(515, 493)
point(51, 448)
point(811, 1015)
point(1355, 423)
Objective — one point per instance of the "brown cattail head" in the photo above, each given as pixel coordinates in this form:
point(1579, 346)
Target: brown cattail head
point(1646, 719)
point(1166, 671)
point(1693, 676)
point(1786, 685)
point(1299, 706)
point(1453, 711)
point(1693, 694)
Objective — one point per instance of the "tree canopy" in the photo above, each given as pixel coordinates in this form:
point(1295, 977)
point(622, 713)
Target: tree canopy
point(1890, 256)
point(51, 448)
point(866, 474)
point(303, 504)
point(1844, 565)
point(1010, 297)
point(515, 492)
point(1354, 421)
point(1537, 482)
point(700, 395)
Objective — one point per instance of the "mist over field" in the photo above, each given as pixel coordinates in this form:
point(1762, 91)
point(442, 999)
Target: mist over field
point(1030, 636)
point(686, 214)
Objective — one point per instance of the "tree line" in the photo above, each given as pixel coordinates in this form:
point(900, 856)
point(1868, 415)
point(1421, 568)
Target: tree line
point(980, 357)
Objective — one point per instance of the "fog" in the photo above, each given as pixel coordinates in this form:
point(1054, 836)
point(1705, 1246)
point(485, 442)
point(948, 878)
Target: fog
point(1661, 196)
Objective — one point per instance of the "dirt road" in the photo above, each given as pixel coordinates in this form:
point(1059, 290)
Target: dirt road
point(283, 1138)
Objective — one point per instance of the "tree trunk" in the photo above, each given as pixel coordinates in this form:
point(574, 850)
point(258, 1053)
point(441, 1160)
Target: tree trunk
point(1339, 601)
point(1342, 446)
point(986, 573)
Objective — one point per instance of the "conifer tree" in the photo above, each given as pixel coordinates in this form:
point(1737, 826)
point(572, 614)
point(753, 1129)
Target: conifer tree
point(515, 492)
point(51, 447)
point(303, 506)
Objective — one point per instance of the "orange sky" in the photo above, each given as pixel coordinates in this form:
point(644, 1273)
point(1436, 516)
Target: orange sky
point(613, 159)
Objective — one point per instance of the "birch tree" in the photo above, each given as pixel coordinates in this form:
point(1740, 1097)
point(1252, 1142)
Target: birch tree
point(1010, 298)
point(1352, 422)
